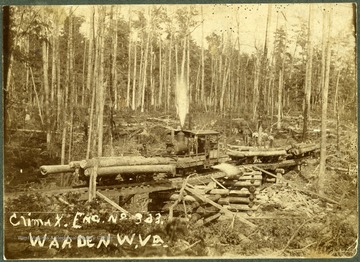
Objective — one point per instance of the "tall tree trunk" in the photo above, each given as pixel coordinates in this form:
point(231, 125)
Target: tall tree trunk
point(323, 58)
point(45, 60)
point(65, 105)
point(90, 53)
point(101, 85)
point(263, 71)
point(169, 75)
point(58, 91)
point(212, 80)
point(89, 122)
point(202, 95)
point(217, 74)
point(96, 76)
point(133, 106)
point(160, 74)
point(198, 86)
point(188, 54)
point(53, 69)
point(144, 83)
point(238, 78)
point(245, 85)
point(324, 101)
point(152, 86)
point(336, 98)
point(255, 102)
point(115, 73)
point(36, 96)
point(72, 92)
point(141, 72)
point(224, 84)
point(83, 93)
point(113, 78)
point(308, 75)
point(6, 68)
point(28, 89)
point(129, 63)
point(336, 110)
point(280, 94)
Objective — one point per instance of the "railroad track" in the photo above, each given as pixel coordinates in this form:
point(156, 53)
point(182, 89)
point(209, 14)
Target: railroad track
point(125, 188)
point(150, 186)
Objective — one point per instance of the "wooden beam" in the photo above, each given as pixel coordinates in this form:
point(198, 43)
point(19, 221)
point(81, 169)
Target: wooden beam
point(218, 183)
point(264, 171)
point(92, 184)
point(108, 200)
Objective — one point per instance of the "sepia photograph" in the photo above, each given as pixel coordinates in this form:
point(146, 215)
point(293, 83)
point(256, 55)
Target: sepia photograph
point(180, 131)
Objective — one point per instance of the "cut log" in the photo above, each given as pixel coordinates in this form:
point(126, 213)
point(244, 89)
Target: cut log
point(188, 198)
point(239, 207)
point(247, 183)
point(252, 173)
point(235, 183)
point(274, 166)
point(214, 198)
point(242, 192)
point(206, 210)
point(56, 169)
point(280, 152)
point(126, 161)
point(211, 218)
point(114, 170)
point(341, 169)
point(280, 171)
point(224, 210)
point(302, 149)
point(235, 200)
point(253, 177)
point(240, 148)
point(74, 164)
point(219, 192)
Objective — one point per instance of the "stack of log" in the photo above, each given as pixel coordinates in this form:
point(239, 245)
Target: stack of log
point(208, 202)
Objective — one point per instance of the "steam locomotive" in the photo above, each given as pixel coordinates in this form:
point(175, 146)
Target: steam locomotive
point(187, 151)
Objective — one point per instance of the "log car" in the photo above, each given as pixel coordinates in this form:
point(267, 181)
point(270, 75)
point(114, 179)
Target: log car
point(187, 151)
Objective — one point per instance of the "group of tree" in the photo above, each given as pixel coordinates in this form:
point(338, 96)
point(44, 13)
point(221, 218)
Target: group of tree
point(68, 71)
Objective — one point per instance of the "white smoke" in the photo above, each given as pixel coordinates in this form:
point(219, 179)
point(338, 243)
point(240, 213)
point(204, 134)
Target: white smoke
point(228, 169)
point(181, 99)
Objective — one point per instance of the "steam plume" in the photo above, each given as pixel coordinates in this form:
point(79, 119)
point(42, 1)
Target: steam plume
point(182, 99)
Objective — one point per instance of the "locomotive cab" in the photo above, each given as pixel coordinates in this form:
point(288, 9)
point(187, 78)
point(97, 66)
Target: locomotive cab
point(194, 143)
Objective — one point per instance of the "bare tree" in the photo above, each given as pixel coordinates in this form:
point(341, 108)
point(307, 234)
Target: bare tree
point(308, 76)
point(89, 81)
point(324, 101)
point(129, 63)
